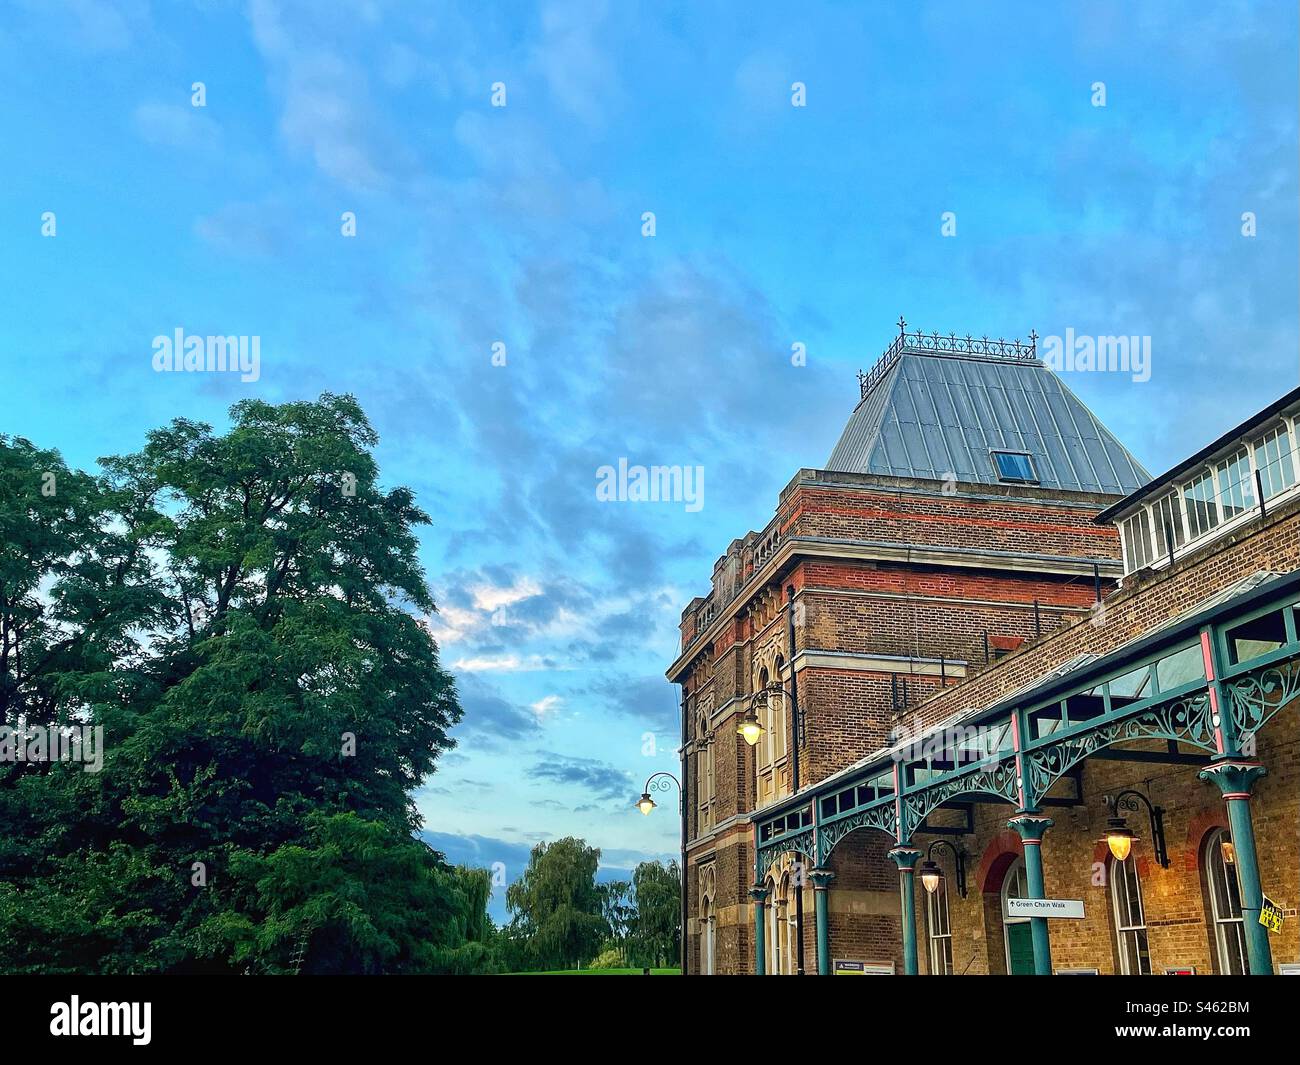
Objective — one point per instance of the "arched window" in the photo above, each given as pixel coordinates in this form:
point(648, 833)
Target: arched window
point(938, 929)
point(775, 931)
point(1224, 903)
point(704, 774)
point(1129, 918)
point(1016, 932)
point(778, 713)
point(782, 928)
point(708, 938)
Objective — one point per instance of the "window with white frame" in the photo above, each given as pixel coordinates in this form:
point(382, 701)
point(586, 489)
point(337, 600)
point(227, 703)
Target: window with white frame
point(1129, 918)
point(782, 918)
point(1167, 517)
point(939, 930)
point(704, 778)
point(708, 931)
point(777, 703)
point(1236, 484)
point(1224, 904)
point(1275, 462)
point(1137, 541)
point(771, 748)
point(1202, 507)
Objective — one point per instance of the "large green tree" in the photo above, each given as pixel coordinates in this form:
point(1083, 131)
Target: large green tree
point(238, 612)
point(656, 889)
point(556, 906)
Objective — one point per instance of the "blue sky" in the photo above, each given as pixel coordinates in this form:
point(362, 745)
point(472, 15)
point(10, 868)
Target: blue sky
point(522, 225)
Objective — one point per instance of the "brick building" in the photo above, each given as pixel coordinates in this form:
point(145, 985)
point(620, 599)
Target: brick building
point(985, 646)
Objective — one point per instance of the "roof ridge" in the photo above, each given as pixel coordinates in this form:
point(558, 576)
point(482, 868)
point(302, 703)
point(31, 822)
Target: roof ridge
point(922, 343)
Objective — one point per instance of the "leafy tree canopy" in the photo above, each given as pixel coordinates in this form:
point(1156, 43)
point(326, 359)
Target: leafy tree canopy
point(237, 612)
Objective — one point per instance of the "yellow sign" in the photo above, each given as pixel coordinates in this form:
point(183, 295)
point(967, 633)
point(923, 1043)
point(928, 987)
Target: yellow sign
point(1270, 915)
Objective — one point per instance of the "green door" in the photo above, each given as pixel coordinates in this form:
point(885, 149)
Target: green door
point(1020, 948)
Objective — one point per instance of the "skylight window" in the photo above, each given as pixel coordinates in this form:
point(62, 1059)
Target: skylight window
point(1015, 466)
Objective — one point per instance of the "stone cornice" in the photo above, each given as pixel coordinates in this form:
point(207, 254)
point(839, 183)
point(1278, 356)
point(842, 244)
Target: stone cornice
point(812, 658)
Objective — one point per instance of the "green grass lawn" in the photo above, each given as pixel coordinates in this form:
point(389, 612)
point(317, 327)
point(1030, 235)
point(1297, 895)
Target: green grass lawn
point(603, 972)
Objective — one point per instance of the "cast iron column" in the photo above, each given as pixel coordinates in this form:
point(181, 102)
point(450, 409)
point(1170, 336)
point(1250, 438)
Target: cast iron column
point(905, 856)
point(1031, 825)
point(1235, 777)
point(821, 879)
point(759, 894)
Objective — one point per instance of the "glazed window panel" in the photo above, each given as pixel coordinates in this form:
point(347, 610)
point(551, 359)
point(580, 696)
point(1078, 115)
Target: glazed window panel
point(1132, 687)
point(1225, 905)
point(1275, 462)
point(1202, 506)
point(1181, 667)
point(939, 930)
point(1084, 706)
point(1236, 487)
point(1137, 541)
point(1130, 919)
point(1015, 467)
point(1259, 636)
point(1167, 517)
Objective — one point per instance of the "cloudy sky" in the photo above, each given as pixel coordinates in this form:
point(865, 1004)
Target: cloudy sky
point(522, 225)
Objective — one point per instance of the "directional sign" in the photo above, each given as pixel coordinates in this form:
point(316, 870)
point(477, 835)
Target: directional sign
point(1270, 915)
point(862, 968)
point(1072, 908)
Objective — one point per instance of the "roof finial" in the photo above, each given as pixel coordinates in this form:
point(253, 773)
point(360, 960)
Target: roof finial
point(1033, 338)
point(902, 325)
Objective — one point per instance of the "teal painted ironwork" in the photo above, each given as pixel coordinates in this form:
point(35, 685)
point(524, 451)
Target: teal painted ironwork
point(1123, 699)
point(905, 857)
point(1186, 720)
point(1253, 691)
point(1031, 825)
point(879, 815)
point(821, 879)
point(996, 777)
point(759, 894)
point(1254, 699)
point(801, 843)
point(1235, 777)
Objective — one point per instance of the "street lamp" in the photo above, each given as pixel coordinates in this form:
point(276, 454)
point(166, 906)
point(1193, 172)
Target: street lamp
point(1120, 838)
point(932, 875)
point(749, 727)
point(645, 804)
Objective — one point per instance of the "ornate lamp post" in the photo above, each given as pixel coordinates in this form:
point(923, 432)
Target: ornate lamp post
point(1120, 838)
point(932, 875)
point(646, 804)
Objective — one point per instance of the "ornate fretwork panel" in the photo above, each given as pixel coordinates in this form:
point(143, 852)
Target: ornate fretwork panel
point(878, 817)
point(998, 779)
point(1257, 697)
point(1185, 720)
point(799, 842)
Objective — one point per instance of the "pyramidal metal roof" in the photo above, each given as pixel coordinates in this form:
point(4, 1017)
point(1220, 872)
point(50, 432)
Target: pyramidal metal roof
point(937, 406)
